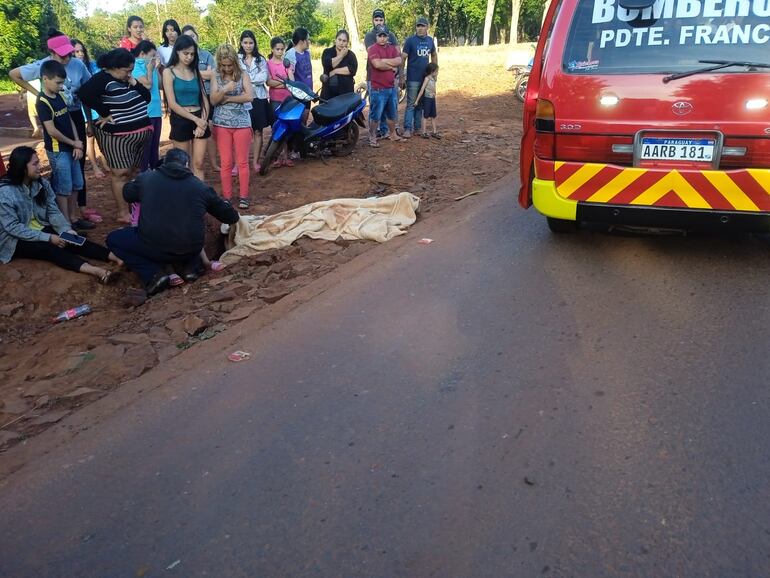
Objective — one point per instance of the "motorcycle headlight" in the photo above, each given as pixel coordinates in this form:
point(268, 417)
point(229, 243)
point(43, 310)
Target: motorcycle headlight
point(299, 94)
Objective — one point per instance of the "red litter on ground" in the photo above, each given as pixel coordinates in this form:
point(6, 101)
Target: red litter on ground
point(239, 356)
point(425, 241)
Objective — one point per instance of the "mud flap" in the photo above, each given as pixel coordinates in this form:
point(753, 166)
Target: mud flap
point(360, 121)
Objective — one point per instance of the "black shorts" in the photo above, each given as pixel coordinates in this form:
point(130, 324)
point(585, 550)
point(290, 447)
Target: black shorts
point(261, 114)
point(428, 107)
point(182, 128)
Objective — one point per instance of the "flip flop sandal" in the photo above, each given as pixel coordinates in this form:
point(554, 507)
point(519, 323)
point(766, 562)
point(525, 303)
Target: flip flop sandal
point(239, 356)
point(243, 204)
point(93, 217)
point(217, 266)
point(287, 163)
point(425, 135)
point(374, 145)
point(436, 135)
point(175, 280)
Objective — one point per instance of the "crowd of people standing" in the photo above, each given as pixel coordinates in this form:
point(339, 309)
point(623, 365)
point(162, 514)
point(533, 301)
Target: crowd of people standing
point(217, 105)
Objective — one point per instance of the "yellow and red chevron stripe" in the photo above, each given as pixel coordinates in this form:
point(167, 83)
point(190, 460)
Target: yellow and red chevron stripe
point(739, 190)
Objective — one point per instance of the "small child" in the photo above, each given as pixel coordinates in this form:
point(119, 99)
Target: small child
point(428, 95)
point(277, 92)
point(62, 146)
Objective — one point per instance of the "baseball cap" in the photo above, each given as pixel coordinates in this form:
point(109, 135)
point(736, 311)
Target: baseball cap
point(61, 45)
point(378, 13)
point(422, 21)
point(381, 30)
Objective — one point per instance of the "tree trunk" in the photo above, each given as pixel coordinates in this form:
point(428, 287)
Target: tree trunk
point(488, 21)
point(515, 9)
point(160, 20)
point(350, 20)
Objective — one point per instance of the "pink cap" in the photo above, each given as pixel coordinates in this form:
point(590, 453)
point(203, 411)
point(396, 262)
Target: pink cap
point(61, 45)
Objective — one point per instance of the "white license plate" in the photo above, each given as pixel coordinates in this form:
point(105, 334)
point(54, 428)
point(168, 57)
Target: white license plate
point(677, 149)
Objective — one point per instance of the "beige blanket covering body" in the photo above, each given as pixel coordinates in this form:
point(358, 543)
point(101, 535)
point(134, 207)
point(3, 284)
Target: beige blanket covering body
point(376, 219)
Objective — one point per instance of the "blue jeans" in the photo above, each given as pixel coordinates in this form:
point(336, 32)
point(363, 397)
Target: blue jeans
point(381, 104)
point(383, 121)
point(66, 175)
point(412, 114)
point(141, 258)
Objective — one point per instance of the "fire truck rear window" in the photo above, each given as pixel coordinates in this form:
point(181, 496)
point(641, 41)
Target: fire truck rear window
point(669, 36)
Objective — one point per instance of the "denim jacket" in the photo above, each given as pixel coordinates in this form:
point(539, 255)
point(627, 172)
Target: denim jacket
point(257, 73)
point(17, 209)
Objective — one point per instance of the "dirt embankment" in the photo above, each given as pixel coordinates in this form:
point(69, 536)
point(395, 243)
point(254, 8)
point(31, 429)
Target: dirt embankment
point(46, 371)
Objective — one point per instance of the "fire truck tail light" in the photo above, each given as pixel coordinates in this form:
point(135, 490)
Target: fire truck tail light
point(545, 117)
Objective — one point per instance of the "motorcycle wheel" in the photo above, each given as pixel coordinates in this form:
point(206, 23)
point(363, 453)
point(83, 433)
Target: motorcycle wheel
point(270, 155)
point(521, 87)
point(352, 139)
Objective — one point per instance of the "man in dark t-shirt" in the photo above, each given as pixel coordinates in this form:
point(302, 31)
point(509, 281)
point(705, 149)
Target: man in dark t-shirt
point(370, 38)
point(418, 50)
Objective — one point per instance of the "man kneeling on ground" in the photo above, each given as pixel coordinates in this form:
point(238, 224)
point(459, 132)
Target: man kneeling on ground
point(172, 223)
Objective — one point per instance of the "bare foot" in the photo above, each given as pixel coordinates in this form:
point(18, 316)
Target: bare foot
point(117, 260)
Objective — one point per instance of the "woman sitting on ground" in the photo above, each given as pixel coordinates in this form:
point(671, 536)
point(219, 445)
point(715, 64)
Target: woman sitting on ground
point(31, 222)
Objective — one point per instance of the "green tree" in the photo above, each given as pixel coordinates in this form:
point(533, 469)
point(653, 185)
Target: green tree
point(23, 27)
point(226, 20)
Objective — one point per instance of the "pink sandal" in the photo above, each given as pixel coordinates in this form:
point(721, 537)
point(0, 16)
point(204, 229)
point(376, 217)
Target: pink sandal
point(92, 215)
point(175, 280)
point(217, 266)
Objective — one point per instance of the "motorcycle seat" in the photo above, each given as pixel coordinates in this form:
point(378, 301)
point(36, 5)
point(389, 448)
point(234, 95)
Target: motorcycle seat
point(335, 108)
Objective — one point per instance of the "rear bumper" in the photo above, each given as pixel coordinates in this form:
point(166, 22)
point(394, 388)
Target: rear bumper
point(548, 202)
point(669, 218)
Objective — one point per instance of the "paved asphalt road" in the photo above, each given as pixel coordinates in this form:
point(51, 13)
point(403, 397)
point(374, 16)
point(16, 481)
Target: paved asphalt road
point(500, 403)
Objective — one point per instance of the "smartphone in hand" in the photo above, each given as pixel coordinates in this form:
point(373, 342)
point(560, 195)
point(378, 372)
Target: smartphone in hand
point(73, 239)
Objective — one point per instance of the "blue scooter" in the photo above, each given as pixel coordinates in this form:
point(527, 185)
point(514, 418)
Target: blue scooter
point(334, 130)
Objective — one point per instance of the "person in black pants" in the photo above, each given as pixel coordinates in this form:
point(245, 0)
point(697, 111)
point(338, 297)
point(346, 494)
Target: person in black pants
point(31, 222)
point(172, 222)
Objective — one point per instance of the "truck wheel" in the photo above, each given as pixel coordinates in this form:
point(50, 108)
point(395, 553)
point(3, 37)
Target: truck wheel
point(562, 225)
point(345, 149)
point(270, 155)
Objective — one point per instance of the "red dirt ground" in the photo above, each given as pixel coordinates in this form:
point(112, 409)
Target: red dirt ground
point(47, 371)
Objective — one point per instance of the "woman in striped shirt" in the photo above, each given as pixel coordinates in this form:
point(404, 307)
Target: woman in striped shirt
point(123, 125)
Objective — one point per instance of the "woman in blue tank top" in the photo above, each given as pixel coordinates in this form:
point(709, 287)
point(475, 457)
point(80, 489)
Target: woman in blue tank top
point(187, 102)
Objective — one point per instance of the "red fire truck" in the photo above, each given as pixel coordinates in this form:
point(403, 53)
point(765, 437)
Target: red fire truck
point(650, 113)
